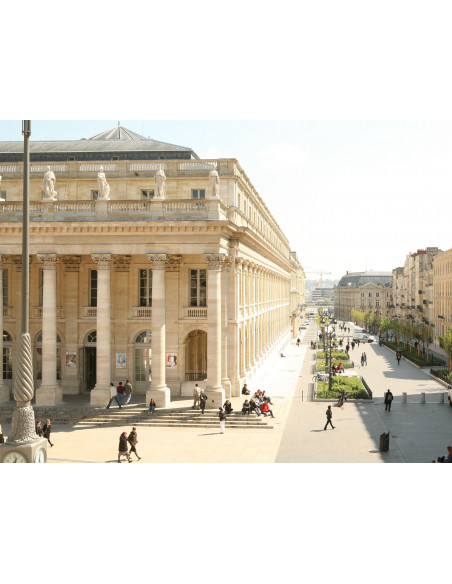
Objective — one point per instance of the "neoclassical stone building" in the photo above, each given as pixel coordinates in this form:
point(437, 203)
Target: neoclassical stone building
point(362, 291)
point(146, 263)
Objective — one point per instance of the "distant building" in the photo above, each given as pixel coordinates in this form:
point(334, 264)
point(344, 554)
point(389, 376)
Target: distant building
point(362, 291)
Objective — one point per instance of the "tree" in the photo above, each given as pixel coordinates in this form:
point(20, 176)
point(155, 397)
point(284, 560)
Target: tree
point(385, 325)
point(446, 343)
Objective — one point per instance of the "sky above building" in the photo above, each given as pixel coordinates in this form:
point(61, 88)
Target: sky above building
point(349, 195)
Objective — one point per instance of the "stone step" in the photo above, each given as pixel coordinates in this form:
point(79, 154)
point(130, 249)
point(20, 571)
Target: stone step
point(156, 423)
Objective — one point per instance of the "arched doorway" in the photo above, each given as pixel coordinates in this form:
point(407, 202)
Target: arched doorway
point(89, 361)
point(38, 357)
point(196, 356)
point(142, 361)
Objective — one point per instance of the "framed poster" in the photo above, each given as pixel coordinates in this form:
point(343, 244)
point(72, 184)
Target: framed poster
point(71, 360)
point(171, 360)
point(120, 360)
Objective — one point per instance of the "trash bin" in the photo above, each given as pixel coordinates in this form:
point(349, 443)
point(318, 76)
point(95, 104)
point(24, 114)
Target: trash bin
point(384, 442)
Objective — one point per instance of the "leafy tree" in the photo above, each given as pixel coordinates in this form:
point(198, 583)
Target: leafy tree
point(446, 343)
point(385, 325)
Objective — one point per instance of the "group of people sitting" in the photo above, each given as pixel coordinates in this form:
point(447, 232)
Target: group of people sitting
point(339, 368)
point(259, 403)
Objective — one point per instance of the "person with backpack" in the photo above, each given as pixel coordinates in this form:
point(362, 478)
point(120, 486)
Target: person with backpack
point(388, 400)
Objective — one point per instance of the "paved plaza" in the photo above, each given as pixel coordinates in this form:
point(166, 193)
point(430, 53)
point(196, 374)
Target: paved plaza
point(418, 432)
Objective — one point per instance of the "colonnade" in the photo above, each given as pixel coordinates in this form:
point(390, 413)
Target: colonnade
point(264, 307)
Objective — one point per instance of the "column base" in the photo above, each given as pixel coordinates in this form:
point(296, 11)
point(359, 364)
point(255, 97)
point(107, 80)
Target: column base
point(49, 396)
point(100, 397)
point(215, 398)
point(4, 394)
point(162, 397)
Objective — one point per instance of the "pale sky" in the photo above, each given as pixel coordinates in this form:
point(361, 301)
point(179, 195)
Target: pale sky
point(348, 195)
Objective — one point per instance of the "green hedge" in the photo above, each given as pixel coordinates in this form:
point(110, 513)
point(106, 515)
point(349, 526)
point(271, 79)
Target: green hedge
point(413, 355)
point(353, 386)
point(334, 355)
point(320, 365)
point(445, 372)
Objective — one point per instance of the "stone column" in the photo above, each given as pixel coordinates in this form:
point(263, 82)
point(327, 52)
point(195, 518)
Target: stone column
point(50, 392)
point(214, 389)
point(100, 395)
point(159, 390)
point(4, 390)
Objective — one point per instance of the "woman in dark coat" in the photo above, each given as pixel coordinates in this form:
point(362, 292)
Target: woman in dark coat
point(123, 449)
point(46, 429)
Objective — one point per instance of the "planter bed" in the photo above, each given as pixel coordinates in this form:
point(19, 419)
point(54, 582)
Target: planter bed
point(353, 387)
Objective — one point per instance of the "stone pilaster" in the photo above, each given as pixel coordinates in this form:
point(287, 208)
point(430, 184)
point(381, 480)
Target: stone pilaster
point(214, 389)
point(159, 390)
point(4, 390)
point(100, 395)
point(50, 392)
point(69, 377)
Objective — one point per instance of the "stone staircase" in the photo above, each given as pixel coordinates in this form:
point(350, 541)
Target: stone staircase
point(136, 415)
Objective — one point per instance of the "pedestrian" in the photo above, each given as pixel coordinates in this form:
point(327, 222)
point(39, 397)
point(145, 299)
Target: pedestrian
point(152, 406)
point(348, 330)
point(133, 441)
point(120, 392)
point(365, 359)
point(298, 342)
point(398, 356)
point(227, 407)
point(38, 428)
point(123, 449)
point(245, 390)
point(202, 401)
point(128, 391)
point(357, 343)
point(347, 348)
point(353, 345)
point(196, 394)
point(340, 342)
point(362, 360)
point(113, 396)
point(222, 417)
point(2, 439)
point(329, 416)
point(46, 429)
point(388, 400)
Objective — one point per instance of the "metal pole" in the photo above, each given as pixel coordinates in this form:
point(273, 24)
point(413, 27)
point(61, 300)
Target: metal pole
point(26, 130)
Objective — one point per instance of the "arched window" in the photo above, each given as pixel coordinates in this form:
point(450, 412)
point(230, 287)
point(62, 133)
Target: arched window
point(91, 338)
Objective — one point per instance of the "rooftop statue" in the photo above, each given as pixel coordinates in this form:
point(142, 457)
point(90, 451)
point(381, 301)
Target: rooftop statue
point(103, 186)
point(48, 185)
point(160, 178)
point(214, 184)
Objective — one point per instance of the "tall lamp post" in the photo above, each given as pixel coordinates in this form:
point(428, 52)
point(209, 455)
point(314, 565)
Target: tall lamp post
point(23, 444)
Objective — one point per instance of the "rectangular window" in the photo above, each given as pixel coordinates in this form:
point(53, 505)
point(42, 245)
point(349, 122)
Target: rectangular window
point(41, 286)
point(377, 303)
point(2, 195)
point(147, 195)
point(377, 294)
point(93, 287)
point(94, 195)
point(7, 363)
point(5, 287)
point(362, 294)
point(198, 287)
point(145, 291)
point(198, 193)
point(370, 294)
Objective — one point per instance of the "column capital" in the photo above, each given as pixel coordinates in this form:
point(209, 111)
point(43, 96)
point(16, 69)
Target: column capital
point(173, 263)
point(49, 259)
point(217, 261)
point(103, 260)
point(158, 260)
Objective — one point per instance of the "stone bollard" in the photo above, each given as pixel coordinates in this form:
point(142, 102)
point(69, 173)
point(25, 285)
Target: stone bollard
point(441, 397)
point(404, 397)
point(423, 397)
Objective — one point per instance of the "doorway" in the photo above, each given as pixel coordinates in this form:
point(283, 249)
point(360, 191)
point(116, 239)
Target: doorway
point(196, 356)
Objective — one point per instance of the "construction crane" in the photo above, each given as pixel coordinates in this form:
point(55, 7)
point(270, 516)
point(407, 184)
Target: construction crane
point(322, 273)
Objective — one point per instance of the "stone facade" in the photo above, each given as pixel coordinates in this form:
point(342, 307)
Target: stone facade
point(442, 292)
point(363, 291)
point(164, 292)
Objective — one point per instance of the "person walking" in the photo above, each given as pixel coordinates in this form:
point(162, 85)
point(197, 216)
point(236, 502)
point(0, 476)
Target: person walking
point(123, 449)
point(128, 391)
point(47, 428)
point(388, 400)
point(362, 360)
point(202, 401)
point(365, 359)
point(113, 396)
point(353, 345)
point(329, 416)
point(38, 428)
point(133, 441)
point(222, 417)
point(357, 342)
point(347, 348)
point(398, 357)
point(120, 392)
point(196, 395)
point(152, 406)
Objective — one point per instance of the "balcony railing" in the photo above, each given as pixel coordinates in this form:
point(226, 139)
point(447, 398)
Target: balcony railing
point(90, 312)
point(196, 312)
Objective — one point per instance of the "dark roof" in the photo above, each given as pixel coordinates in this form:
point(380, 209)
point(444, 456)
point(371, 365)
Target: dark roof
point(355, 279)
point(117, 139)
